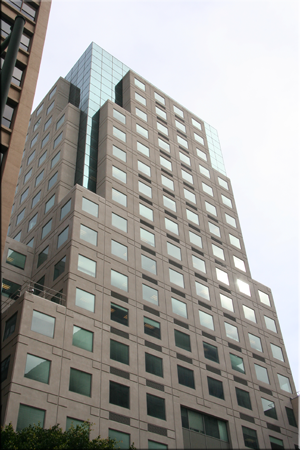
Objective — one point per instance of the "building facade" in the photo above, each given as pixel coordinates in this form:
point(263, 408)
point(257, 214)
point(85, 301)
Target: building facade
point(14, 123)
point(127, 294)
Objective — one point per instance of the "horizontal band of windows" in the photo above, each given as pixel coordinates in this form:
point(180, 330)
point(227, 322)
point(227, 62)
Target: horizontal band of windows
point(273, 427)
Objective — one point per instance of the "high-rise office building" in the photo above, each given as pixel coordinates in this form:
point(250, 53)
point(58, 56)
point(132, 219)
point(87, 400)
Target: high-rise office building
point(127, 294)
point(14, 122)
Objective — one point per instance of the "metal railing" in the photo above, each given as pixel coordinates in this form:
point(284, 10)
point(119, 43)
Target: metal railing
point(44, 292)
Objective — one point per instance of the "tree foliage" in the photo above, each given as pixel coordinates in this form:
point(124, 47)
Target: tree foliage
point(35, 437)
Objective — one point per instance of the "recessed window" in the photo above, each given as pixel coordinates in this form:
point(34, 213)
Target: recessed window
point(42, 158)
point(39, 110)
point(90, 207)
point(142, 149)
point(31, 158)
point(222, 276)
point(145, 189)
point(195, 239)
point(16, 259)
point(156, 407)
point(118, 153)
point(178, 111)
point(37, 369)
point(261, 374)
point(198, 264)
point(207, 189)
point(28, 415)
point(269, 408)
point(204, 171)
point(48, 123)
point(147, 237)
point(202, 290)
point(73, 422)
point(198, 138)
point(234, 241)
point(27, 176)
point(284, 383)
point(30, 243)
point(80, 382)
point(45, 140)
point(159, 98)
point(192, 217)
point(144, 168)
point(152, 328)
point(52, 181)
point(43, 256)
point(87, 265)
point(150, 294)
point(214, 229)
point(20, 216)
point(218, 252)
point(277, 352)
point(162, 128)
point(270, 324)
point(32, 222)
point(171, 226)
point(55, 160)
point(139, 84)
point(58, 140)
point(164, 145)
point(59, 268)
point(10, 326)
point(237, 363)
point(119, 116)
point(82, 338)
point(154, 365)
point(165, 163)
point(187, 176)
point(189, 195)
point(24, 195)
point(231, 332)
point(43, 324)
point(243, 398)
point(50, 107)
point(10, 289)
point(88, 235)
point(223, 183)
point(264, 298)
point(244, 287)
point(65, 209)
point(60, 122)
point(186, 377)
point(182, 340)
point(250, 438)
point(119, 134)
point(291, 417)
point(62, 237)
point(146, 212)
point(85, 300)
point(276, 443)
point(142, 131)
point(167, 182)
point(160, 113)
point(39, 178)
point(18, 236)
point(36, 199)
point(119, 314)
point(179, 307)
point(119, 222)
point(122, 439)
point(140, 99)
point(174, 251)
point(182, 142)
point(211, 209)
point(34, 140)
point(119, 250)
point(239, 263)
point(249, 313)
point(206, 320)
point(215, 388)
point(119, 352)
point(201, 154)
point(119, 280)
point(180, 126)
point(4, 368)
point(119, 174)
point(196, 124)
point(211, 352)
point(168, 203)
point(176, 278)
point(226, 201)
point(230, 220)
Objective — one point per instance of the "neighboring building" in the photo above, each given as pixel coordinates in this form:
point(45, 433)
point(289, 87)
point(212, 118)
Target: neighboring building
point(127, 297)
point(16, 116)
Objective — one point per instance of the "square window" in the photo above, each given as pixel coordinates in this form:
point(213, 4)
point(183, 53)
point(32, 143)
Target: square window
point(168, 203)
point(147, 237)
point(83, 338)
point(207, 189)
point(239, 263)
point(226, 201)
point(28, 415)
point(214, 229)
point(184, 158)
point(118, 153)
point(261, 374)
point(59, 268)
point(186, 377)
point(192, 217)
point(244, 287)
point(182, 340)
point(179, 307)
point(146, 212)
point(182, 142)
point(174, 251)
point(119, 394)
point(144, 168)
point(49, 204)
point(119, 134)
point(119, 280)
point(249, 313)
point(277, 352)
point(156, 407)
point(237, 363)
point(204, 171)
point(230, 220)
point(199, 138)
point(143, 149)
point(269, 408)
point(119, 314)
point(270, 324)
point(123, 439)
point(215, 388)
point(231, 332)
point(145, 189)
point(201, 154)
point(255, 342)
point(87, 265)
point(206, 320)
point(119, 250)
point(152, 328)
point(119, 352)
point(234, 241)
point(154, 365)
point(62, 237)
point(73, 422)
point(202, 290)
point(243, 398)
point(119, 174)
point(88, 235)
point(164, 145)
point(196, 124)
point(43, 324)
point(198, 264)
point(80, 382)
point(218, 252)
point(119, 222)
point(211, 209)
point(276, 443)
point(150, 294)
point(24, 195)
point(119, 197)
point(222, 276)
point(16, 259)
point(195, 239)
point(148, 264)
point(284, 383)
point(90, 207)
point(250, 438)
point(10, 289)
point(178, 111)
point(37, 369)
point(85, 300)
point(171, 226)
point(211, 352)
point(188, 195)
point(10, 326)
point(176, 278)
point(264, 298)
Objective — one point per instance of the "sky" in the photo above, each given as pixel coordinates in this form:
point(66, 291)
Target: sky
point(234, 64)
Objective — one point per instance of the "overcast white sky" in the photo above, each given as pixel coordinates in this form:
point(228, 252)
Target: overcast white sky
point(234, 64)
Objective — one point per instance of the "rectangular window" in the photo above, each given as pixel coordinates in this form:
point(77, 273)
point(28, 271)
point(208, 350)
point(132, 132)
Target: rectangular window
point(34, 140)
point(55, 160)
point(10, 326)
point(284, 383)
point(36, 199)
point(168, 203)
point(171, 226)
point(192, 217)
point(82, 338)
point(119, 395)
point(215, 388)
point(150, 294)
point(45, 140)
point(264, 298)
point(214, 229)
point(276, 443)
point(186, 377)
point(211, 209)
point(291, 417)
point(237, 363)
point(182, 142)
point(140, 99)
point(211, 352)
point(187, 176)
point(119, 134)
point(85, 300)
point(119, 352)
point(255, 342)
point(165, 163)
point(147, 237)
point(244, 288)
point(201, 154)
point(46, 228)
point(179, 307)
point(231, 332)
point(118, 153)
point(196, 124)
point(20, 217)
point(198, 138)
point(152, 328)
point(24, 195)
point(142, 131)
point(50, 107)
point(184, 158)
point(164, 145)
point(222, 276)
point(226, 201)
point(270, 324)
point(230, 220)
point(58, 140)
point(62, 237)
point(80, 382)
point(43, 256)
point(243, 398)
point(207, 189)
point(60, 122)
point(261, 374)
point(178, 111)
point(148, 264)
point(123, 439)
point(87, 265)
point(174, 251)
point(139, 84)
point(176, 278)
point(142, 149)
point(141, 114)
point(159, 98)
point(239, 263)
point(249, 313)
point(206, 320)
point(32, 222)
point(10, 289)
point(202, 291)
point(119, 174)
point(182, 340)
point(250, 438)
point(41, 160)
point(119, 280)
point(43, 324)
point(144, 168)
point(37, 369)
point(205, 424)
point(119, 222)
point(31, 158)
point(18, 237)
point(4, 368)
point(269, 408)
point(145, 189)
point(154, 365)
point(180, 126)
point(39, 110)
point(48, 123)
point(119, 116)
point(52, 181)
point(16, 259)
point(146, 212)
point(88, 235)
point(156, 407)
point(223, 183)
point(195, 239)
point(59, 268)
point(162, 128)
point(28, 415)
point(218, 252)
point(160, 113)
point(119, 314)
point(90, 207)
point(234, 241)
point(50, 203)
point(119, 250)
point(27, 176)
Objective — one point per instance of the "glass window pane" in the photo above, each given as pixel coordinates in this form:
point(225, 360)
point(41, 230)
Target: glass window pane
point(202, 290)
point(243, 398)
point(83, 338)
point(192, 217)
point(87, 265)
point(119, 352)
point(139, 84)
point(239, 263)
point(90, 207)
point(154, 365)
point(207, 189)
point(49, 203)
point(211, 209)
point(119, 280)
point(151, 327)
point(10, 326)
point(156, 407)
point(264, 298)
point(250, 438)
point(214, 229)
point(284, 383)
point(176, 278)
point(88, 235)
point(230, 220)
point(270, 324)
point(199, 138)
point(249, 313)
point(182, 340)
point(211, 352)
point(43, 256)
point(62, 237)
point(244, 287)
point(73, 422)
point(168, 203)
point(16, 259)
point(186, 377)
point(226, 201)
point(189, 196)
point(231, 331)
point(119, 134)
point(123, 439)
point(215, 388)
point(119, 250)
point(234, 241)
point(144, 168)
point(196, 124)
point(160, 113)
point(159, 98)
point(119, 394)
point(165, 181)
point(146, 212)
point(117, 115)
point(37, 369)
point(165, 163)
point(291, 417)
point(143, 149)
point(119, 222)
point(148, 264)
point(171, 226)
point(201, 154)
point(85, 300)
point(182, 142)
point(80, 382)
point(255, 342)
point(147, 237)
point(179, 307)
point(145, 189)
point(119, 314)
point(187, 176)
point(269, 408)
point(140, 99)
point(218, 252)
point(43, 324)
point(150, 294)
point(119, 197)
point(261, 373)
point(195, 239)
point(164, 145)
point(206, 320)
point(29, 415)
point(119, 174)
point(174, 251)
point(52, 181)
point(198, 264)
point(118, 153)
point(237, 363)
